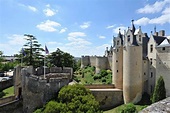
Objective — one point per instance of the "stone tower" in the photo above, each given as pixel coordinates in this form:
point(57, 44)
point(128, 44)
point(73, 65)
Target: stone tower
point(117, 61)
point(132, 68)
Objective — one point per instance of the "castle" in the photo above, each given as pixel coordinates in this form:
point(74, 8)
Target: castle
point(136, 62)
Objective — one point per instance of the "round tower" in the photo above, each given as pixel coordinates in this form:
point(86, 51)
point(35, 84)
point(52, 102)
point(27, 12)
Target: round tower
point(132, 68)
point(117, 62)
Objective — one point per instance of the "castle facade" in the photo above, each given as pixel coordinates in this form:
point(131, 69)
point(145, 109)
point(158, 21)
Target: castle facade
point(136, 62)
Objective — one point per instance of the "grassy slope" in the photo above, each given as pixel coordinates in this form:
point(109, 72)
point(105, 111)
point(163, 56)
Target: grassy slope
point(7, 92)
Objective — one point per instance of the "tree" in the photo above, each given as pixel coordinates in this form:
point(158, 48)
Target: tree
point(72, 99)
point(159, 91)
point(61, 59)
point(33, 52)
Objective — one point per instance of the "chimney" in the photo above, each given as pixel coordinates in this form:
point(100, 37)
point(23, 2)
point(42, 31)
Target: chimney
point(162, 33)
point(156, 33)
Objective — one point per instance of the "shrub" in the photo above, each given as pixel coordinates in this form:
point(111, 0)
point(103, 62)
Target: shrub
point(159, 91)
point(129, 108)
point(103, 73)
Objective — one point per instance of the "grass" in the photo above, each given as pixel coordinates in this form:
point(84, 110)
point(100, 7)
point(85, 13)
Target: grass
point(119, 108)
point(86, 76)
point(7, 92)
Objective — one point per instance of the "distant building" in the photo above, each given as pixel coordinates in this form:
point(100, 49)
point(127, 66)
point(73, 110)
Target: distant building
point(136, 62)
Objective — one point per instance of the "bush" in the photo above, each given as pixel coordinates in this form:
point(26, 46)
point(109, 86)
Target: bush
point(129, 108)
point(72, 99)
point(103, 73)
point(159, 91)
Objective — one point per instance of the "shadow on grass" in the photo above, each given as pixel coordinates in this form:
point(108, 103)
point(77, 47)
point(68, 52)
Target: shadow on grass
point(2, 94)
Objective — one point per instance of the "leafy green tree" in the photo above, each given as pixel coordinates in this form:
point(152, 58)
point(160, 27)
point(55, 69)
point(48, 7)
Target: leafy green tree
point(159, 91)
point(32, 52)
point(72, 99)
point(61, 59)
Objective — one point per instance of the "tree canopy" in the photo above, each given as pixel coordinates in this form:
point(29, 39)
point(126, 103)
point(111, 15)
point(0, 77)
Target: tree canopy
point(72, 99)
point(159, 91)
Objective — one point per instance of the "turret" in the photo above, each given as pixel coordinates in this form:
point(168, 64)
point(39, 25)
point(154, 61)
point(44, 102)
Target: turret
point(117, 61)
point(132, 68)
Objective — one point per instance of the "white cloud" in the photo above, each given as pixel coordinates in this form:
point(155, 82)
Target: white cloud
point(48, 26)
point(54, 43)
point(50, 12)
point(122, 28)
point(32, 8)
point(110, 26)
point(16, 39)
point(63, 30)
point(76, 34)
point(142, 21)
point(77, 41)
point(85, 25)
point(102, 37)
point(153, 8)
point(161, 20)
point(166, 10)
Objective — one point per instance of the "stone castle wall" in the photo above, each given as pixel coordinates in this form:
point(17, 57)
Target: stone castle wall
point(163, 67)
point(97, 61)
point(37, 90)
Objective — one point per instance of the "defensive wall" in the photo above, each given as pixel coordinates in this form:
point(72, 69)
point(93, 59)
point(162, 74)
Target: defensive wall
point(97, 61)
point(107, 96)
point(37, 89)
point(14, 106)
point(6, 84)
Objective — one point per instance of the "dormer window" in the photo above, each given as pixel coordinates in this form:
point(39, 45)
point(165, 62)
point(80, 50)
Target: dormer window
point(118, 42)
point(128, 38)
point(140, 38)
point(163, 48)
point(151, 48)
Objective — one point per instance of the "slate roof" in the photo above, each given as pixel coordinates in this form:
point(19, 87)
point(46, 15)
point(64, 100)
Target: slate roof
point(159, 39)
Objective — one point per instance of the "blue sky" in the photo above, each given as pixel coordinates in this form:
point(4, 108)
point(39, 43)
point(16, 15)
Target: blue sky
point(80, 27)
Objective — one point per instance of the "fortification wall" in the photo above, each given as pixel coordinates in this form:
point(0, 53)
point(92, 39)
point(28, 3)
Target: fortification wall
point(108, 98)
point(6, 100)
point(12, 107)
point(117, 67)
point(132, 74)
point(101, 63)
point(93, 61)
point(6, 84)
point(145, 75)
point(163, 67)
point(85, 61)
point(36, 91)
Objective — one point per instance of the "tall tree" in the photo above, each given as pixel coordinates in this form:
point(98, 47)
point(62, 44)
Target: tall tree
point(159, 91)
point(61, 59)
point(33, 52)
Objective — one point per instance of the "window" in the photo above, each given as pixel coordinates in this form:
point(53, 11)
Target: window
point(118, 42)
point(151, 74)
point(140, 38)
point(163, 48)
point(117, 50)
point(116, 60)
point(151, 61)
point(117, 71)
point(151, 48)
point(128, 38)
point(144, 73)
point(151, 88)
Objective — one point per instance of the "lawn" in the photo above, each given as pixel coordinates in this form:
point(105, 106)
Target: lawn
point(7, 92)
point(118, 109)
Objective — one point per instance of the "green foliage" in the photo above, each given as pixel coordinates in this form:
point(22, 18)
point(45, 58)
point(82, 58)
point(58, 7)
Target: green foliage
point(72, 99)
point(7, 92)
point(129, 108)
point(61, 59)
point(33, 52)
point(159, 91)
point(87, 76)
